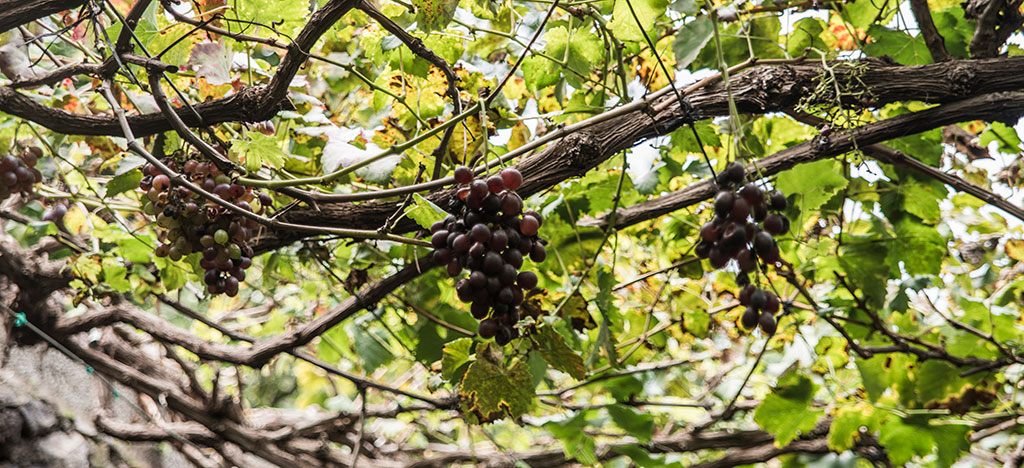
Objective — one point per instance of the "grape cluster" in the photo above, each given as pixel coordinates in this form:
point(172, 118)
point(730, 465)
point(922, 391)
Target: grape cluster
point(743, 227)
point(490, 236)
point(19, 173)
point(762, 306)
point(195, 225)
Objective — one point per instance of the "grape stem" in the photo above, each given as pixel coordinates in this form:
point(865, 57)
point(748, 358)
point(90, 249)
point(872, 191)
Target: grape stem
point(178, 179)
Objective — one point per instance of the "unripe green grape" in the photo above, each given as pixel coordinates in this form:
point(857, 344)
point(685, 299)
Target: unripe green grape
point(221, 236)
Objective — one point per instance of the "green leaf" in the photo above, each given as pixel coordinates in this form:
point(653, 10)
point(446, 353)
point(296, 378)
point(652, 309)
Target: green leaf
point(899, 45)
point(122, 183)
point(255, 148)
point(455, 354)
point(874, 376)
point(575, 442)
point(918, 246)
point(635, 423)
point(369, 347)
point(624, 25)
point(434, 15)
point(553, 349)
point(806, 34)
point(919, 200)
point(955, 29)
point(786, 413)
point(114, 276)
point(1007, 137)
point(424, 212)
point(812, 184)
point(862, 13)
point(904, 439)
point(847, 424)
point(690, 39)
point(287, 16)
point(491, 390)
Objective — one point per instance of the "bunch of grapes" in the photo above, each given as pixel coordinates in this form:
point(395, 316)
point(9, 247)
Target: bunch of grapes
point(195, 225)
point(19, 173)
point(490, 236)
point(762, 305)
point(746, 221)
point(742, 227)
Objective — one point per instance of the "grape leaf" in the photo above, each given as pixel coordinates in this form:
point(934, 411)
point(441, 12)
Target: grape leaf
point(254, 149)
point(625, 26)
point(899, 45)
point(554, 350)
point(918, 246)
point(424, 212)
point(434, 15)
point(786, 412)
point(212, 61)
point(491, 390)
point(812, 184)
point(122, 183)
point(847, 423)
point(455, 354)
point(635, 423)
point(690, 39)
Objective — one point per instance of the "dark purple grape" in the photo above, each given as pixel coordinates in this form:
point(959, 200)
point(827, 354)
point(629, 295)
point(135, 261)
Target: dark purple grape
point(512, 178)
point(768, 325)
point(461, 244)
point(491, 204)
point(477, 279)
point(211, 277)
point(464, 290)
point(505, 295)
point(763, 243)
point(703, 249)
point(735, 172)
point(760, 212)
point(513, 257)
point(442, 256)
point(527, 280)
point(749, 319)
point(492, 263)
point(511, 204)
point(504, 336)
point(478, 249)
point(439, 239)
point(539, 253)
point(529, 225)
point(536, 215)
point(508, 274)
point(478, 189)
point(222, 190)
point(746, 260)
point(752, 194)
point(773, 224)
point(771, 305)
point(723, 202)
point(481, 233)
point(495, 184)
point(463, 175)
point(472, 218)
point(758, 299)
point(493, 285)
point(479, 310)
point(740, 211)
point(717, 258)
point(499, 240)
point(745, 294)
point(776, 200)
point(454, 268)
point(709, 232)
point(487, 328)
point(517, 293)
